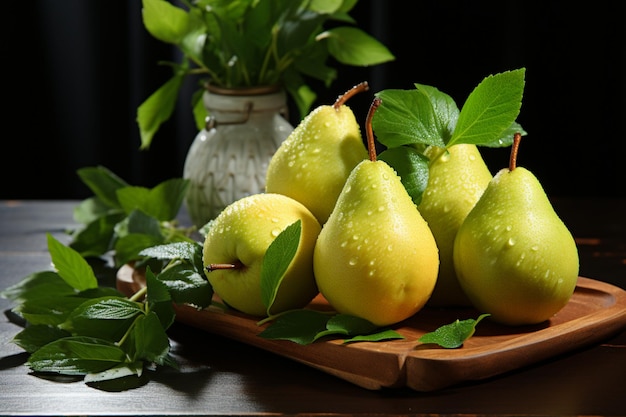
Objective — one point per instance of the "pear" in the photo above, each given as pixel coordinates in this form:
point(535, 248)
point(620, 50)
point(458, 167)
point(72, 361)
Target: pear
point(514, 256)
point(312, 164)
point(457, 178)
point(375, 257)
point(235, 246)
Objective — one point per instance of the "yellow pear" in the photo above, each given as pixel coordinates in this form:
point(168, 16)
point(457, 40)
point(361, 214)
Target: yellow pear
point(236, 243)
point(514, 256)
point(312, 164)
point(376, 257)
point(457, 178)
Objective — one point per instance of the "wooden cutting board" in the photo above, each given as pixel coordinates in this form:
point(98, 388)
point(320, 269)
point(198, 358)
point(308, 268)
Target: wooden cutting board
point(596, 311)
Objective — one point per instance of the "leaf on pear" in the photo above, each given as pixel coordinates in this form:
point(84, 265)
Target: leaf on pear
point(277, 259)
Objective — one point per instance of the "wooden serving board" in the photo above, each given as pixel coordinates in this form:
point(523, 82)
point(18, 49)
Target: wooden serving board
point(596, 311)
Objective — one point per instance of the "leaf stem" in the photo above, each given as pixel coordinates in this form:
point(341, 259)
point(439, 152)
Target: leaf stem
point(139, 294)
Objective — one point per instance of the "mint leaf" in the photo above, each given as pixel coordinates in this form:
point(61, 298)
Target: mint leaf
point(490, 109)
point(106, 318)
point(277, 259)
point(40, 285)
point(161, 202)
point(159, 300)
point(175, 250)
point(48, 311)
point(76, 356)
point(151, 341)
point(453, 335)
point(103, 183)
point(72, 267)
point(187, 285)
point(35, 336)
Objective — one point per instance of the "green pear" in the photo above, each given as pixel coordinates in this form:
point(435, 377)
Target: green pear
point(514, 256)
point(236, 243)
point(457, 178)
point(312, 164)
point(376, 257)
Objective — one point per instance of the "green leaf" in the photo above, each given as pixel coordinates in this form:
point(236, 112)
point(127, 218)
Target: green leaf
point(385, 334)
point(174, 250)
point(159, 300)
point(97, 237)
point(164, 21)
point(187, 285)
point(453, 335)
point(490, 109)
point(277, 259)
point(161, 202)
point(103, 183)
point(346, 325)
point(352, 46)
point(76, 356)
point(35, 336)
point(48, 311)
point(158, 108)
point(106, 318)
point(127, 247)
point(72, 267)
point(39, 285)
point(151, 341)
point(412, 167)
point(506, 138)
point(92, 209)
point(299, 326)
point(408, 117)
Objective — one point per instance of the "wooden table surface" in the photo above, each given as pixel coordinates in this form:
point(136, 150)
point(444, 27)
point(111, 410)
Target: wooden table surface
point(222, 377)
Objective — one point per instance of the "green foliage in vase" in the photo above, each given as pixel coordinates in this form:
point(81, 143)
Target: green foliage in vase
point(251, 43)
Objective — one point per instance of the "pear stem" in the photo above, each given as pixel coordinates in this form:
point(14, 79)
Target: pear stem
point(371, 145)
point(517, 137)
point(359, 88)
point(213, 267)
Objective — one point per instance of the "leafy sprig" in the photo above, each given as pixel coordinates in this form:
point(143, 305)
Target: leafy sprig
point(252, 43)
point(122, 220)
point(408, 121)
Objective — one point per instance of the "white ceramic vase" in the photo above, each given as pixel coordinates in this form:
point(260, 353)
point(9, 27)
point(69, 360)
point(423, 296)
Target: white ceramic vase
point(228, 159)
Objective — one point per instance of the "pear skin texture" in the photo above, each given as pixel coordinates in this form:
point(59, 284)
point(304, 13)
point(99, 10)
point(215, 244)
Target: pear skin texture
point(514, 257)
point(457, 179)
point(375, 257)
point(313, 163)
point(242, 232)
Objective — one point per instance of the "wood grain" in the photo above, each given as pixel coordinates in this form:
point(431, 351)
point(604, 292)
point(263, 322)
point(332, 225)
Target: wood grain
point(596, 311)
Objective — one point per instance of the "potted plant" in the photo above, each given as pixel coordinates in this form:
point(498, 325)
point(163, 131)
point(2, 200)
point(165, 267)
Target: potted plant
point(241, 48)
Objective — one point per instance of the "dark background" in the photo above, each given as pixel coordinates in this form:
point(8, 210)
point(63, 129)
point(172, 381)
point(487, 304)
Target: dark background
point(75, 72)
